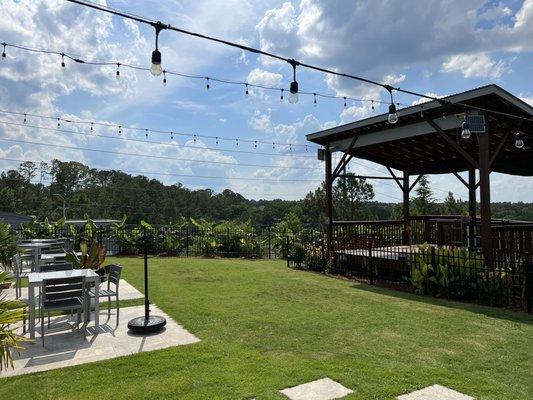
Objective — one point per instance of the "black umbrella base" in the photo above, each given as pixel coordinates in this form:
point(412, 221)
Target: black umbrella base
point(142, 325)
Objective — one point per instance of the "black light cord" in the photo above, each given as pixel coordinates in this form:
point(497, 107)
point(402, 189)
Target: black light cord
point(288, 60)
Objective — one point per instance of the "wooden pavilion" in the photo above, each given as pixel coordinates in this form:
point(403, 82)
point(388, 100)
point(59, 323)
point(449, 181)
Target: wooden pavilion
point(429, 139)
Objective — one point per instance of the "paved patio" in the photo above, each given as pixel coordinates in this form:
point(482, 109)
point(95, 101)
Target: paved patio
point(66, 347)
point(127, 292)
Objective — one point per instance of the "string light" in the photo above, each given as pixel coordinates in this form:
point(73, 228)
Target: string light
point(314, 99)
point(188, 75)
point(293, 98)
point(344, 102)
point(255, 145)
point(393, 116)
point(207, 83)
point(156, 68)
point(171, 135)
point(247, 93)
point(63, 62)
point(372, 105)
point(59, 122)
point(118, 71)
point(25, 118)
point(120, 129)
point(146, 133)
point(216, 140)
point(4, 55)
point(194, 138)
point(164, 78)
point(236, 142)
point(519, 140)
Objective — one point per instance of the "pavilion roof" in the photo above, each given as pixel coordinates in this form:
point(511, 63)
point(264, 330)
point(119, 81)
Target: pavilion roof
point(414, 144)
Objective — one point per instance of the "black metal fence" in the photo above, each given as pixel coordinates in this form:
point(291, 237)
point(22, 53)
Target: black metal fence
point(183, 241)
point(448, 272)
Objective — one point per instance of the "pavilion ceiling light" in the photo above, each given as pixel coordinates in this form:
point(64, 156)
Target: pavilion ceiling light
point(156, 68)
point(393, 115)
point(465, 130)
point(293, 98)
point(519, 140)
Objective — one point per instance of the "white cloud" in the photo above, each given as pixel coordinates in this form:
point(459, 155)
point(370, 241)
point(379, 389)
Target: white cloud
point(475, 66)
point(258, 76)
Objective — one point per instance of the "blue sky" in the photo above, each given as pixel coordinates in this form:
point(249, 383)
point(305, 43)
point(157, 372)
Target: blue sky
point(432, 47)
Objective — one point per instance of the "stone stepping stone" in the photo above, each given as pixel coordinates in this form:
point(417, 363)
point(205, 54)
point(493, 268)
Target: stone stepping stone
point(321, 389)
point(435, 392)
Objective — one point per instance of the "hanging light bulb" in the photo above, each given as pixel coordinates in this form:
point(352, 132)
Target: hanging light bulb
point(344, 101)
point(194, 138)
point(519, 140)
point(372, 105)
point(247, 93)
point(216, 140)
point(393, 115)
point(465, 130)
point(293, 98)
point(237, 142)
point(255, 144)
point(146, 133)
point(91, 126)
point(120, 129)
point(59, 122)
point(118, 72)
point(206, 83)
point(164, 78)
point(156, 68)
point(4, 55)
point(25, 118)
point(281, 97)
point(314, 99)
point(171, 135)
point(63, 65)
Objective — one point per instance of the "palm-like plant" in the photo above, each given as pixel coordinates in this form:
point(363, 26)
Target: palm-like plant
point(11, 311)
point(8, 244)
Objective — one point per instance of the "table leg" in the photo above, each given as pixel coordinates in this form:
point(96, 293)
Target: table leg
point(97, 302)
point(31, 301)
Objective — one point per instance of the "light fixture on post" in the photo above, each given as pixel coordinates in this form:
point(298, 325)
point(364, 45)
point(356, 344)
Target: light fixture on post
point(393, 115)
point(156, 68)
point(293, 98)
point(519, 140)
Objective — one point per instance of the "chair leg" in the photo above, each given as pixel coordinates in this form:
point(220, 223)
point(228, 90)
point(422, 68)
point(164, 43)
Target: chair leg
point(108, 307)
point(42, 327)
point(48, 320)
point(118, 307)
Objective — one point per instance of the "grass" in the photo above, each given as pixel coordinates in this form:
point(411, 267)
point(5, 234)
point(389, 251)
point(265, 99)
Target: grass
point(264, 327)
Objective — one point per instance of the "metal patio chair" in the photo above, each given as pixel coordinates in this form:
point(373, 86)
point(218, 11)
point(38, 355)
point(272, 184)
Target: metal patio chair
point(63, 294)
point(115, 271)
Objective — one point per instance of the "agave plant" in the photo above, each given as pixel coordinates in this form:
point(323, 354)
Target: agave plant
point(11, 311)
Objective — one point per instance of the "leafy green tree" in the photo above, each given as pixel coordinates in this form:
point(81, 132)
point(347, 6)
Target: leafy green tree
point(423, 203)
point(348, 196)
point(451, 206)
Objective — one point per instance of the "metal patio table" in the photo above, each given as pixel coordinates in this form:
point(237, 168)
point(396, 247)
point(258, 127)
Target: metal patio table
point(35, 280)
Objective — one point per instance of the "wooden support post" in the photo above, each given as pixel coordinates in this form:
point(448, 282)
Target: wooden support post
point(329, 203)
point(405, 210)
point(472, 208)
point(484, 195)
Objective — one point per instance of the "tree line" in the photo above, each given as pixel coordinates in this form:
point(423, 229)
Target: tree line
point(112, 194)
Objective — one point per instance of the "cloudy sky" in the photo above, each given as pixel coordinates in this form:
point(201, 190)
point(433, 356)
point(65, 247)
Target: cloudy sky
point(437, 47)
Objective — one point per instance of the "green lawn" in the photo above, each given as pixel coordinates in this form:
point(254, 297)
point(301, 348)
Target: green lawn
point(264, 327)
